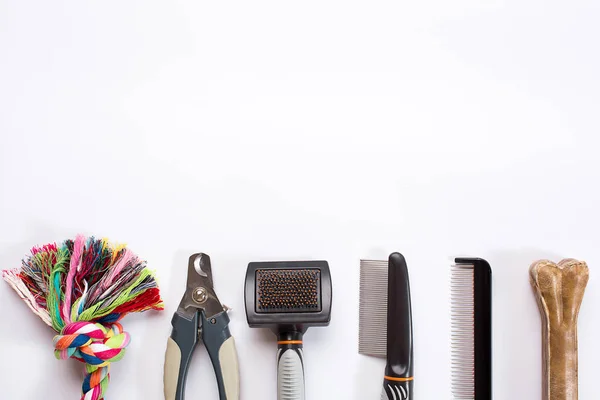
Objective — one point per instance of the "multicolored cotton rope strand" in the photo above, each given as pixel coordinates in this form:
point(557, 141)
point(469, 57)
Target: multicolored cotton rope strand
point(82, 289)
point(95, 345)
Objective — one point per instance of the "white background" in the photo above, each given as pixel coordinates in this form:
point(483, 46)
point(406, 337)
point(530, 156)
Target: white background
point(337, 130)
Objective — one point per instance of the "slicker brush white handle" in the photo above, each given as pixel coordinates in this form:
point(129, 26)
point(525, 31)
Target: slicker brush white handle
point(290, 370)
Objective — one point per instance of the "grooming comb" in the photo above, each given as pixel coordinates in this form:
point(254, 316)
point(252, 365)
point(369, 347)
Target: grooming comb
point(288, 298)
point(471, 337)
point(385, 322)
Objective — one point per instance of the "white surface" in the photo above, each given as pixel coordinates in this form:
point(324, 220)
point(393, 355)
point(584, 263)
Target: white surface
point(307, 130)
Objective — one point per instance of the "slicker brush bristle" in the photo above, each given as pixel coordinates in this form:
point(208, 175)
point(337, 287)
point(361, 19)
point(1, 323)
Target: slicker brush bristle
point(288, 290)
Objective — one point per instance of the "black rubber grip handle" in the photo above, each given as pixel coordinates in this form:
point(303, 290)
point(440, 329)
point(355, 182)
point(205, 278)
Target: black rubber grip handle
point(397, 390)
point(399, 368)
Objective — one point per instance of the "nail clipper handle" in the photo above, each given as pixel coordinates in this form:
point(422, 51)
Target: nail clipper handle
point(180, 347)
point(220, 346)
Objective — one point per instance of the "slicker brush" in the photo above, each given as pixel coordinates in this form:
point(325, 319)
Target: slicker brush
point(288, 298)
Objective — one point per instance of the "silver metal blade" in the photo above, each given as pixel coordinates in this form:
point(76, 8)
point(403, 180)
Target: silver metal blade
point(462, 305)
point(372, 326)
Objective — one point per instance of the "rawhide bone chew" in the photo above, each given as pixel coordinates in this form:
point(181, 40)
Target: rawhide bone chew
point(559, 291)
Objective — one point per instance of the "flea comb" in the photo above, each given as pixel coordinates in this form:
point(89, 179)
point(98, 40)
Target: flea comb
point(385, 322)
point(471, 337)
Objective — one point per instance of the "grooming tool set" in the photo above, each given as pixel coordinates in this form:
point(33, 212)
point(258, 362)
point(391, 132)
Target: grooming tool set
point(84, 287)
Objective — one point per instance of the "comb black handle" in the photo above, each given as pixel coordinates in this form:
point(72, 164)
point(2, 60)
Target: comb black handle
point(398, 380)
point(290, 366)
point(397, 389)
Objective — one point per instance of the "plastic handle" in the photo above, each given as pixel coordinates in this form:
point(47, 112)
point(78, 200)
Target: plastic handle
point(223, 354)
point(180, 347)
point(220, 346)
point(399, 320)
point(290, 367)
point(397, 390)
point(398, 380)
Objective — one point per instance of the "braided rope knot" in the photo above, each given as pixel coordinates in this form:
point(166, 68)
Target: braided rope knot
point(95, 344)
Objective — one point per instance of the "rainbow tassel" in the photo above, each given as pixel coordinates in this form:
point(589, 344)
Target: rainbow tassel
point(81, 289)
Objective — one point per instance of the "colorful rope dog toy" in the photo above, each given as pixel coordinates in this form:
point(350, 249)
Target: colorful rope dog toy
point(82, 288)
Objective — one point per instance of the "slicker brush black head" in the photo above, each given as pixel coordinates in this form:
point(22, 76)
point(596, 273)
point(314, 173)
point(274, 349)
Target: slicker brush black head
point(280, 294)
point(288, 290)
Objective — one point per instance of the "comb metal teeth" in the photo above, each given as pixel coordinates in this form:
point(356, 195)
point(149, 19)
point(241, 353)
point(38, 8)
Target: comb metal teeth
point(372, 326)
point(462, 294)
